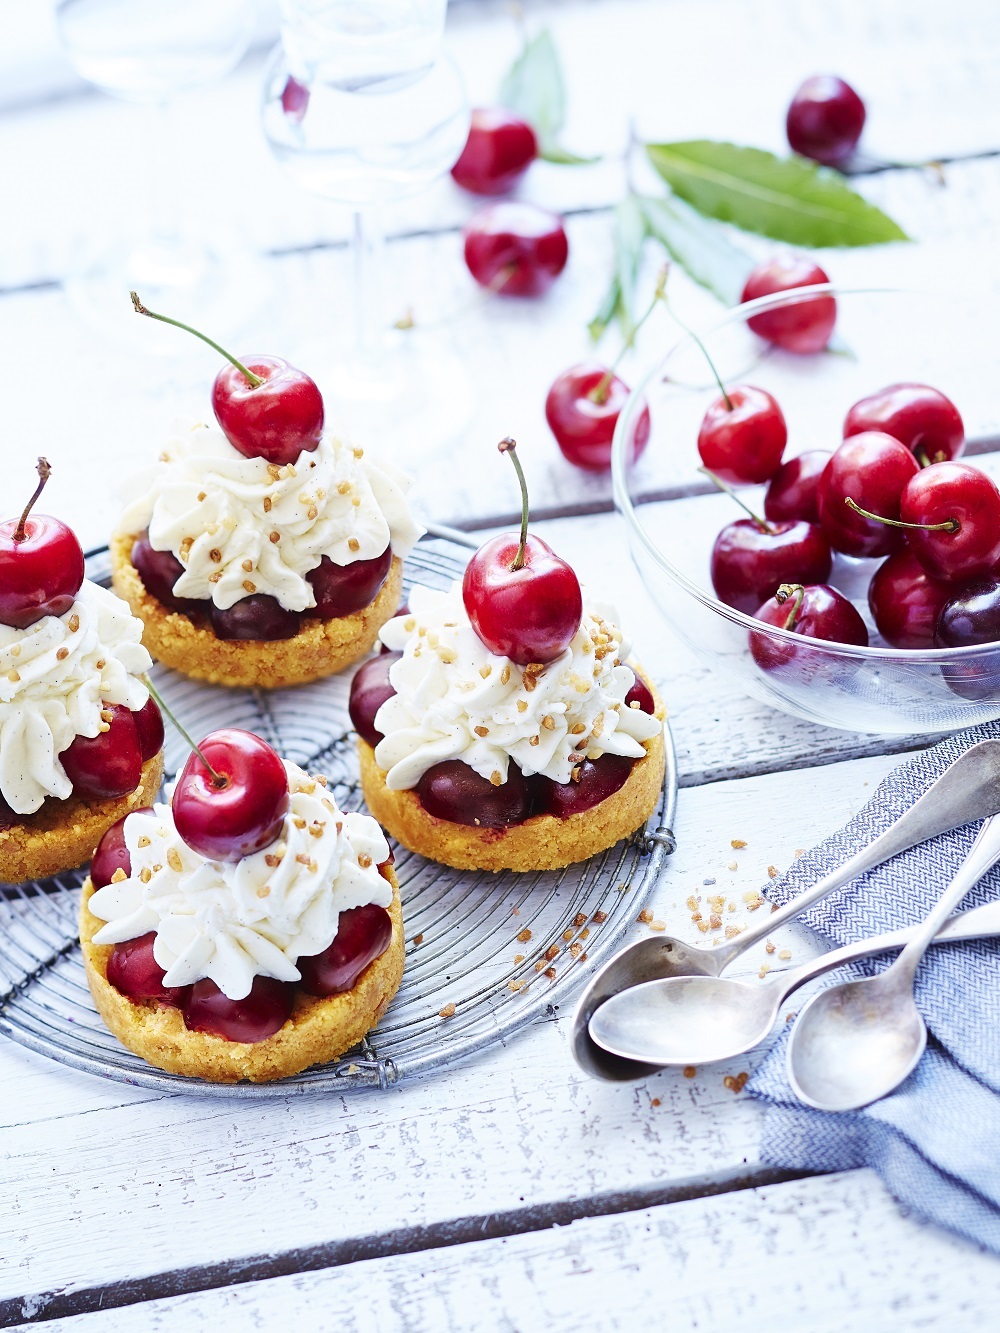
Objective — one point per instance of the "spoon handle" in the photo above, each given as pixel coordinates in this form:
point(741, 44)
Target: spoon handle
point(968, 789)
point(977, 924)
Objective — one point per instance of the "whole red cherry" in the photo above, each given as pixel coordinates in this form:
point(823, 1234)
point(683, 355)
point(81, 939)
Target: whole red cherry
point(258, 1016)
point(751, 559)
point(871, 470)
point(524, 602)
point(641, 694)
point(231, 797)
point(793, 491)
point(825, 120)
point(109, 764)
point(582, 408)
point(817, 612)
point(41, 564)
point(596, 780)
point(135, 973)
point(149, 728)
point(363, 934)
point(803, 327)
point(918, 416)
point(452, 790)
point(972, 616)
point(340, 590)
point(369, 690)
point(111, 854)
point(905, 601)
point(500, 148)
point(265, 407)
point(743, 435)
point(516, 249)
point(258, 618)
point(953, 511)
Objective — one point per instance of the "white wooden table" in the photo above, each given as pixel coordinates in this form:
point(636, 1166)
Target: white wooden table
point(510, 1192)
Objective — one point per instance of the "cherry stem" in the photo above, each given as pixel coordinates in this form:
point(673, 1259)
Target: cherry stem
point(704, 350)
point(786, 591)
point(217, 778)
point(509, 447)
point(253, 380)
point(44, 472)
point(599, 393)
point(762, 523)
point(949, 525)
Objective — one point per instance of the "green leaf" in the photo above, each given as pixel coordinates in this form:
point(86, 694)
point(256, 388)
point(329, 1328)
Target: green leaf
point(552, 152)
point(629, 234)
point(700, 246)
point(788, 199)
point(533, 87)
point(608, 310)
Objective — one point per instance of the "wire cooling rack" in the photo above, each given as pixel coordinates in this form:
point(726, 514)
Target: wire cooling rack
point(501, 950)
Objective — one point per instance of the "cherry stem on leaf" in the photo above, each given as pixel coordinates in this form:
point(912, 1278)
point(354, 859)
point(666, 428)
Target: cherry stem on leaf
point(218, 779)
point(599, 393)
point(796, 592)
point(253, 380)
point(44, 472)
point(509, 447)
point(949, 524)
point(762, 523)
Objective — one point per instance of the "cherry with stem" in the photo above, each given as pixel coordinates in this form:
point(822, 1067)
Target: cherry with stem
point(41, 563)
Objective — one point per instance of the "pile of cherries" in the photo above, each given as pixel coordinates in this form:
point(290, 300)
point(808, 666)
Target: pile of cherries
point(230, 801)
point(525, 603)
point(266, 409)
point(41, 572)
point(893, 490)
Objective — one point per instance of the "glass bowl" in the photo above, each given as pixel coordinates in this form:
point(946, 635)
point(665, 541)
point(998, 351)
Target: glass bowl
point(673, 513)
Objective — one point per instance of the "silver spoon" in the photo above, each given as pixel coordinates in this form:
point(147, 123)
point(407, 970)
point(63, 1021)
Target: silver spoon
point(967, 790)
point(856, 1042)
point(696, 1020)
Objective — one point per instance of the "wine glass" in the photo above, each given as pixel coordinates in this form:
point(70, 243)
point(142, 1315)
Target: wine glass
point(362, 106)
point(144, 52)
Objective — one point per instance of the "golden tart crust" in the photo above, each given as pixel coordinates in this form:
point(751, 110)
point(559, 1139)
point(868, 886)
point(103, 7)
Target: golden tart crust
point(543, 842)
point(63, 834)
point(321, 647)
point(319, 1029)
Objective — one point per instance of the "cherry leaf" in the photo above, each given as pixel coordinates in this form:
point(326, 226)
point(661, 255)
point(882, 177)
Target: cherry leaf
point(789, 199)
point(700, 246)
point(609, 309)
point(534, 88)
point(630, 234)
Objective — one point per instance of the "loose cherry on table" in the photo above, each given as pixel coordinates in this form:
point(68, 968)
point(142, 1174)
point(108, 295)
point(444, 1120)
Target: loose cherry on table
point(109, 764)
point(918, 415)
point(752, 558)
point(803, 327)
point(793, 491)
point(231, 797)
point(869, 470)
point(135, 973)
point(500, 148)
point(743, 435)
point(369, 690)
point(452, 790)
point(259, 617)
point(582, 408)
point(41, 564)
point(906, 601)
point(340, 590)
point(816, 612)
point(258, 1016)
point(363, 934)
point(524, 602)
point(825, 120)
point(516, 249)
point(265, 407)
point(952, 513)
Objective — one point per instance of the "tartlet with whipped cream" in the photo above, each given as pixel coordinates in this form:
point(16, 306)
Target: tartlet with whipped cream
point(480, 763)
point(248, 572)
point(238, 934)
point(80, 738)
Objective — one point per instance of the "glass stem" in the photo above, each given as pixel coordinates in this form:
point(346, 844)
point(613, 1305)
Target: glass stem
point(163, 174)
point(368, 244)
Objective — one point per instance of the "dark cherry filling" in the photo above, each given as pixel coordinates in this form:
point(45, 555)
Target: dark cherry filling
point(259, 617)
point(159, 571)
point(149, 727)
point(340, 590)
point(641, 694)
point(369, 690)
point(599, 779)
point(454, 791)
point(135, 973)
point(363, 934)
point(111, 854)
point(260, 1015)
point(109, 764)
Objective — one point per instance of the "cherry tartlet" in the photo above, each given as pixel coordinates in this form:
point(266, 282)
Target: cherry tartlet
point(224, 966)
point(80, 737)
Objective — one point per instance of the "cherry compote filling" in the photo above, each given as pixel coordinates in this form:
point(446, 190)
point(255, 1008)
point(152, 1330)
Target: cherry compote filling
point(159, 571)
point(363, 934)
point(369, 690)
point(111, 854)
point(259, 617)
point(341, 590)
point(258, 1016)
point(135, 973)
point(598, 779)
point(109, 764)
point(149, 728)
point(452, 790)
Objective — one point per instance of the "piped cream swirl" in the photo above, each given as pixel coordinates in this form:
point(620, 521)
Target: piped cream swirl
point(55, 677)
point(231, 922)
point(457, 700)
point(242, 525)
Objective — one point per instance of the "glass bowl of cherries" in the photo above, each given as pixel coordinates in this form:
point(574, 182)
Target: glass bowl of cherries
point(815, 513)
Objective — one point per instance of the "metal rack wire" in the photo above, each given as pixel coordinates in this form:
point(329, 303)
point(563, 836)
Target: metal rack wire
point(481, 942)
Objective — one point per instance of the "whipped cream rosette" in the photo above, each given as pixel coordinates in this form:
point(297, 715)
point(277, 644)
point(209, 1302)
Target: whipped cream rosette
point(230, 922)
point(223, 514)
point(55, 678)
point(455, 699)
